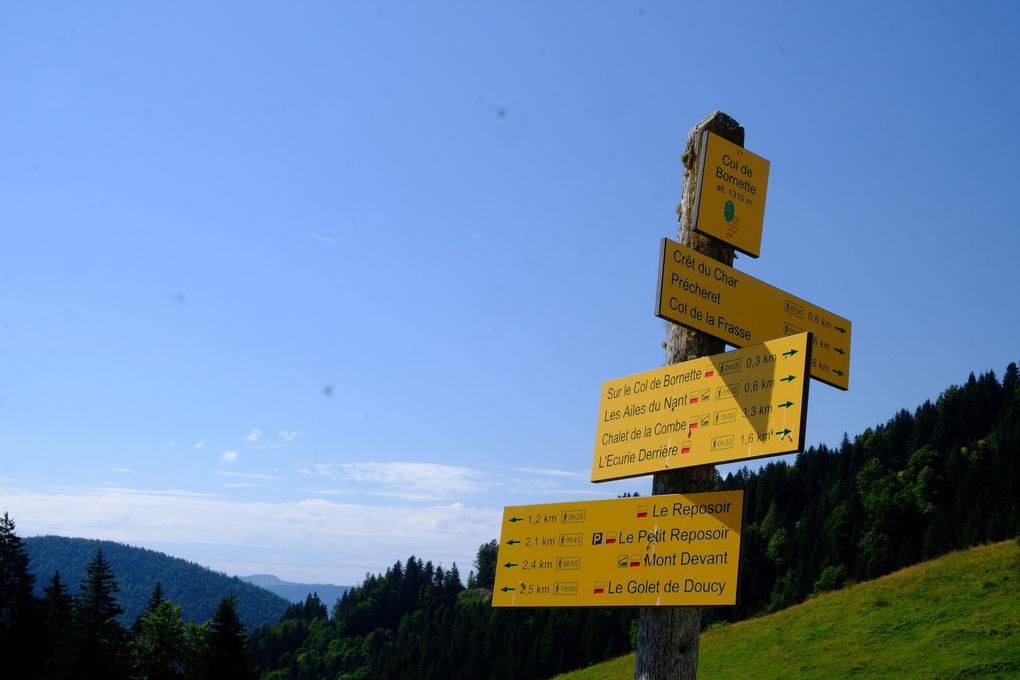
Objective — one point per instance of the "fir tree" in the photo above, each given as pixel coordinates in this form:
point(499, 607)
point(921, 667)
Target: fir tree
point(56, 616)
point(155, 599)
point(101, 644)
point(19, 610)
point(227, 657)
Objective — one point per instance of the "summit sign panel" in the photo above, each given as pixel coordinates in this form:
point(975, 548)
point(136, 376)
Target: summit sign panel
point(733, 406)
point(730, 199)
point(706, 295)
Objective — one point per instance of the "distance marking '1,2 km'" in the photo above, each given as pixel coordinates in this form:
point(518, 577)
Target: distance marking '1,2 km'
point(742, 404)
point(706, 295)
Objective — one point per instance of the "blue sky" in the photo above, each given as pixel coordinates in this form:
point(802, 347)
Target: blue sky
point(305, 288)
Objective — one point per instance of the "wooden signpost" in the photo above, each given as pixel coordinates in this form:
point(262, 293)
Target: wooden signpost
point(679, 549)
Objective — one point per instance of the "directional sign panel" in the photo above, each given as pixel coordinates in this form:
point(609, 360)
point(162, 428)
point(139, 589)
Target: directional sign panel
point(660, 550)
point(730, 201)
point(709, 296)
point(747, 403)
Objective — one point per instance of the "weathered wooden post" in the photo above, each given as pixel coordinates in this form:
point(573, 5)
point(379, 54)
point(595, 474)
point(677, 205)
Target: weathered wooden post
point(668, 637)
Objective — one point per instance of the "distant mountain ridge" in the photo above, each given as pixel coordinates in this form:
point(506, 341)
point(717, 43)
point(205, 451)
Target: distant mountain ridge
point(297, 592)
point(195, 588)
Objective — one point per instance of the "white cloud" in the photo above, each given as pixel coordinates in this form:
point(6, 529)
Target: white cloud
point(434, 482)
point(289, 435)
point(572, 474)
point(417, 481)
point(200, 443)
point(323, 239)
point(243, 475)
point(120, 469)
point(254, 435)
point(229, 456)
point(305, 540)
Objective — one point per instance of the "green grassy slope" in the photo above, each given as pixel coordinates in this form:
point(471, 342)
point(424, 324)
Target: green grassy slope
point(954, 617)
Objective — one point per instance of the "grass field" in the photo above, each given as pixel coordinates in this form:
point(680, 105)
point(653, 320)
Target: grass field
point(955, 617)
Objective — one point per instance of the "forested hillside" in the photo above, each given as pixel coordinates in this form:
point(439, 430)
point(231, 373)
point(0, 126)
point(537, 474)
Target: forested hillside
point(195, 588)
point(60, 636)
point(944, 476)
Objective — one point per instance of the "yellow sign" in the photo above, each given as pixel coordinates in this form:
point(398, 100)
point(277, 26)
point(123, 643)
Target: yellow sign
point(730, 201)
point(733, 406)
point(660, 550)
point(709, 296)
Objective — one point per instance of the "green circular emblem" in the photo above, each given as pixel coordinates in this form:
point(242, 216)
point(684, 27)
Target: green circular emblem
point(728, 210)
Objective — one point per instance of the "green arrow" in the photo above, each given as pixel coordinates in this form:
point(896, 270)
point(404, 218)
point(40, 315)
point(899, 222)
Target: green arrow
point(790, 353)
point(789, 378)
point(840, 350)
point(516, 519)
point(786, 405)
point(784, 432)
point(512, 542)
point(840, 329)
point(507, 589)
point(838, 372)
point(510, 565)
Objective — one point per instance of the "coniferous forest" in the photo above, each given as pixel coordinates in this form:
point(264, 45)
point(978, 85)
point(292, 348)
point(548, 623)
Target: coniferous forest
point(944, 477)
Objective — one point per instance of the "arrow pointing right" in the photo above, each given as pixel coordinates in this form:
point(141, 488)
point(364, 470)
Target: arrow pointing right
point(786, 405)
point(789, 378)
point(790, 353)
point(840, 329)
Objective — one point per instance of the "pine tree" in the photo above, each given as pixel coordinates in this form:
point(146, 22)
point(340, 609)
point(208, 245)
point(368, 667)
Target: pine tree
point(101, 644)
point(19, 610)
point(56, 617)
point(155, 599)
point(228, 645)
